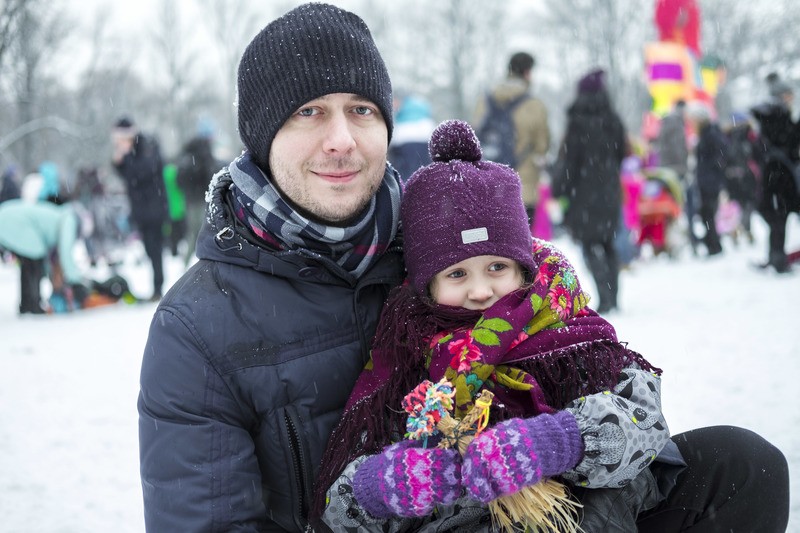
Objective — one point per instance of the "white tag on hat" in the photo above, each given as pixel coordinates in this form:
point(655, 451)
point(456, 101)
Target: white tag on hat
point(468, 236)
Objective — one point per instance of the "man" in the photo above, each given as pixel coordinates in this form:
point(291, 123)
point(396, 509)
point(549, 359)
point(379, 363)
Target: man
point(252, 354)
point(137, 160)
point(196, 165)
point(530, 124)
point(780, 138)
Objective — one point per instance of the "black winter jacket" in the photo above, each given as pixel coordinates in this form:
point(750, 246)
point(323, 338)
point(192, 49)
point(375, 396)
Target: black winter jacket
point(780, 137)
point(590, 158)
point(196, 165)
point(711, 153)
point(142, 171)
point(250, 359)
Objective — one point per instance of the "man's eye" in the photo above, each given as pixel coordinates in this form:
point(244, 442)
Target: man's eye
point(307, 112)
point(363, 110)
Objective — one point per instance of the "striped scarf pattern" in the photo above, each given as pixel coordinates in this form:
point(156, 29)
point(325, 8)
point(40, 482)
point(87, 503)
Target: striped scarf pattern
point(260, 206)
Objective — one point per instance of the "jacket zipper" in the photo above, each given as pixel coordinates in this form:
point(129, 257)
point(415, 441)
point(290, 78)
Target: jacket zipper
point(299, 468)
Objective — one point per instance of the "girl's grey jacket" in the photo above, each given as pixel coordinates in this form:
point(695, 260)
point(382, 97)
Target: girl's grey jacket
point(250, 359)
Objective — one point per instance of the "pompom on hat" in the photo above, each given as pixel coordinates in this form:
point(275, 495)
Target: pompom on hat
point(313, 50)
point(461, 206)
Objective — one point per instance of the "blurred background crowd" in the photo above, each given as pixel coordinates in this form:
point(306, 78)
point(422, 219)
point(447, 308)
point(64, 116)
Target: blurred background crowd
point(637, 140)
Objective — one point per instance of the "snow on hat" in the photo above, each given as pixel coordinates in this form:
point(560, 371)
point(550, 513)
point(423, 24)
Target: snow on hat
point(592, 82)
point(313, 50)
point(461, 206)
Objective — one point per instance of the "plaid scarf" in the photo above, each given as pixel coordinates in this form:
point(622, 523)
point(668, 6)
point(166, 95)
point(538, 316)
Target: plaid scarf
point(537, 349)
point(260, 206)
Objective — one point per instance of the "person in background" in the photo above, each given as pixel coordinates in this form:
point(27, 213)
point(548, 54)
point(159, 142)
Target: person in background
point(632, 180)
point(672, 148)
point(743, 173)
point(780, 142)
point(42, 236)
point(196, 165)
point(711, 154)
point(532, 132)
point(413, 126)
point(594, 145)
point(89, 194)
point(137, 159)
point(176, 208)
point(489, 308)
point(9, 184)
point(252, 353)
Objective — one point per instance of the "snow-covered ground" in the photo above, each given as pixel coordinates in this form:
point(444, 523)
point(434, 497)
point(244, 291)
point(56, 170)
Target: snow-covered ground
point(726, 335)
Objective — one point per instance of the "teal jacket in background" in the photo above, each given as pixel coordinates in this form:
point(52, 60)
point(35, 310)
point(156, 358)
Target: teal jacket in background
point(34, 230)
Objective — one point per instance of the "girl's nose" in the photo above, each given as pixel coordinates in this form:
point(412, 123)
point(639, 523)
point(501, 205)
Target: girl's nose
point(480, 292)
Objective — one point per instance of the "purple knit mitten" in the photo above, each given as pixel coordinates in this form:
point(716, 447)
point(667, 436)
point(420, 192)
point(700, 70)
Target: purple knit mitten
point(407, 480)
point(519, 452)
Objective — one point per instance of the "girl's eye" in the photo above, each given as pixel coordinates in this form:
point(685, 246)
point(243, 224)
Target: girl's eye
point(456, 274)
point(497, 267)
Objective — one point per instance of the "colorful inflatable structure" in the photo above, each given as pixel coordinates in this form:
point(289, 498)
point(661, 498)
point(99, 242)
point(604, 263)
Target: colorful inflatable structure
point(675, 66)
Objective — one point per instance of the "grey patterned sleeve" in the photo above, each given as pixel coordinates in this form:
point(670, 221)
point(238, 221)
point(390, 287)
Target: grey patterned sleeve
point(623, 430)
point(342, 512)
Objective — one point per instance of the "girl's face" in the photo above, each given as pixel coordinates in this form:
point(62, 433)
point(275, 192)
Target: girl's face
point(476, 283)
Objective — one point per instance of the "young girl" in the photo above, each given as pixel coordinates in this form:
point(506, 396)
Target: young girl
point(488, 307)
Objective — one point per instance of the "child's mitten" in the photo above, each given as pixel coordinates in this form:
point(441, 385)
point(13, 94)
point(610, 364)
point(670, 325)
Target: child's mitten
point(519, 452)
point(407, 480)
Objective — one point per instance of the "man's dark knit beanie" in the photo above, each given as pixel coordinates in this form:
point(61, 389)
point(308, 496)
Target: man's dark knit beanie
point(313, 50)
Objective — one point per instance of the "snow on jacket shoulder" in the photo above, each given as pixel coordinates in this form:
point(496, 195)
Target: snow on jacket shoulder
point(249, 361)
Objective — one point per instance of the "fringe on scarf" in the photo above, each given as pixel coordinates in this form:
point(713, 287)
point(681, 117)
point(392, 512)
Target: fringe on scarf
point(581, 369)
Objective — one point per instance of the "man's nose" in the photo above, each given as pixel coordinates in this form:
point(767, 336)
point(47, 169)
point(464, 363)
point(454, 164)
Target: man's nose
point(338, 134)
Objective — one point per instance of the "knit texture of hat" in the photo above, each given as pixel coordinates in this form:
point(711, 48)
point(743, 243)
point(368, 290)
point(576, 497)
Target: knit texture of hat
point(460, 206)
point(311, 51)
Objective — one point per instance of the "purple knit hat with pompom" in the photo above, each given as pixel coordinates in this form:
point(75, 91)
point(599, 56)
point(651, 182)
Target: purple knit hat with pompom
point(460, 206)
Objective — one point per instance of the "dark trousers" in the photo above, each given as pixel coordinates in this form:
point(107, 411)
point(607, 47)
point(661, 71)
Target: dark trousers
point(31, 272)
point(603, 262)
point(776, 220)
point(735, 481)
point(690, 208)
point(709, 203)
point(152, 234)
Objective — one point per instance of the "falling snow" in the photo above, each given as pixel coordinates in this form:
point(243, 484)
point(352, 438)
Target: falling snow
point(726, 335)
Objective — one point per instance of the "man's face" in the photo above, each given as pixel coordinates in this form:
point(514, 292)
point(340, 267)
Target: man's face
point(122, 139)
point(330, 156)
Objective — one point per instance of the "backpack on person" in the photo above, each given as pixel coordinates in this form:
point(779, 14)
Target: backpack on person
point(497, 133)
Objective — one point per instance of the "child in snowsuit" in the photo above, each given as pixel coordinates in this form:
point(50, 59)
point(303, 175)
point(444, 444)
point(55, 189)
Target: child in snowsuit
point(488, 307)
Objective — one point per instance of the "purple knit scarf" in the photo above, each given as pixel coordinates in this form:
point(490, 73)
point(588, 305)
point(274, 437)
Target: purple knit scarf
point(537, 349)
